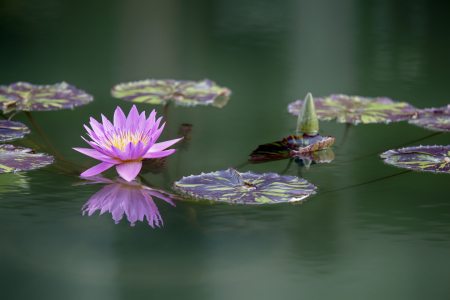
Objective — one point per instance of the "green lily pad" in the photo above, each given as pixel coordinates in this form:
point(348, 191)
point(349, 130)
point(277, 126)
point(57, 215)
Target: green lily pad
point(23, 96)
point(290, 146)
point(10, 130)
point(14, 159)
point(355, 109)
point(437, 119)
point(245, 188)
point(186, 93)
point(422, 158)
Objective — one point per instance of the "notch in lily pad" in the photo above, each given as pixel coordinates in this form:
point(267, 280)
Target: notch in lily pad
point(420, 158)
point(183, 92)
point(245, 188)
point(436, 119)
point(23, 96)
point(11, 130)
point(15, 159)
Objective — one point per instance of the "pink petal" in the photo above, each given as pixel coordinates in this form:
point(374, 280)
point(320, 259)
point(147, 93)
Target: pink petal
point(107, 125)
point(97, 127)
point(95, 154)
point(129, 170)
point(163, 145)
point(159, 154)
point(132, 117)
point(119, 118)
point(119, 153)
point(136, 152)
point(97, 169)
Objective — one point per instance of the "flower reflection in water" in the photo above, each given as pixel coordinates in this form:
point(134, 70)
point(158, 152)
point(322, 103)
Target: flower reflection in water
point(131, 198)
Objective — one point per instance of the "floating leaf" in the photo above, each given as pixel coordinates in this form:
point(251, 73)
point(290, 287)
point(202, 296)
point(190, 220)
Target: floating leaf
point(10, 130)
point(130, 198)
point(14, 159)
point(24, 96)
point(283, 149)
point(423, 158)
point(355, 109)
point(247, 188)
point(433, 118)
point(187, 93)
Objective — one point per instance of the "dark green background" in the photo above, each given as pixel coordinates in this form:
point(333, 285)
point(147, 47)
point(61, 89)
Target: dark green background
point(385, 240)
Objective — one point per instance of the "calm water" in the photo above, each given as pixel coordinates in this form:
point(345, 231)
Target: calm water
point(389, 239)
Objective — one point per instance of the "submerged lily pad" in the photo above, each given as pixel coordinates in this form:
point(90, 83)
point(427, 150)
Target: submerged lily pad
point(355, 109)
point(422, 158)
point(187, 93)
point(433, 118)
point(14, 159)
point(24, 96)
point(284, 148)
point(10, 130)
point(134, 200)
point(246, 188)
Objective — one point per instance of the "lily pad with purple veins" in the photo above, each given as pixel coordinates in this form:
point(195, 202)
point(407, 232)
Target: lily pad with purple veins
point(23, 96)
point(10, 130)
point(433, 118)
point(422, 158)
point(161, 91)
point(355, 109)
point(14, 159)
point(283, 149)
point(245, 188)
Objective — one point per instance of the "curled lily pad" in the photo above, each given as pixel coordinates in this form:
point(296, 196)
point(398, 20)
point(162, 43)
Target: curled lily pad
point(246, 188)
point(355, 109)
point(160, 91)
point(433, 118)
point(14, 159)
point(10, 130)
point(291, 145)
point(422, 158)
point(24, 96)
point(134, 200)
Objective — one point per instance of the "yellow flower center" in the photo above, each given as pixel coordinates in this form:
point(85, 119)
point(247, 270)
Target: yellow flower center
point(122, 139)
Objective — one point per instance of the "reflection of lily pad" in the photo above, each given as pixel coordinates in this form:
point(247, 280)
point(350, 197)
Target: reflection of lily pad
point(282, 149)
point(355, 109)
point(28, 97)
point(12, 183)
point(130, 198)
point(14, 159)
point(433, 118)
point(422, 158)
point(187, 93)
point(247, 188)
point(10, 130)
point(321, 156)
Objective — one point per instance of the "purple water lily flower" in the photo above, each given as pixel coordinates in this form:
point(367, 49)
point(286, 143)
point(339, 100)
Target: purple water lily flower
point(125, 143)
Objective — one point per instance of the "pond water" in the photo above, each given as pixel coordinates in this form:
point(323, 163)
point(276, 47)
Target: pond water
point(386, 239)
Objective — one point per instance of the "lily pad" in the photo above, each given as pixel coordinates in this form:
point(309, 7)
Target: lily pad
point(186, 93)
point(422, 158)
point(321, 156)
point(245, 188)
point(355, 109)
point(284, 148)
point(10, 130)
point(437, 119)
point(14, 159)
point(130, 198)
point(23, 96)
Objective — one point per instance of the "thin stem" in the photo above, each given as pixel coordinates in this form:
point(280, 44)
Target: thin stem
point(359, 184)
point(10, 117)
point(42, 133)
point(243, 165)
point(288, 165)
point(344, 138)
point(144, 180)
